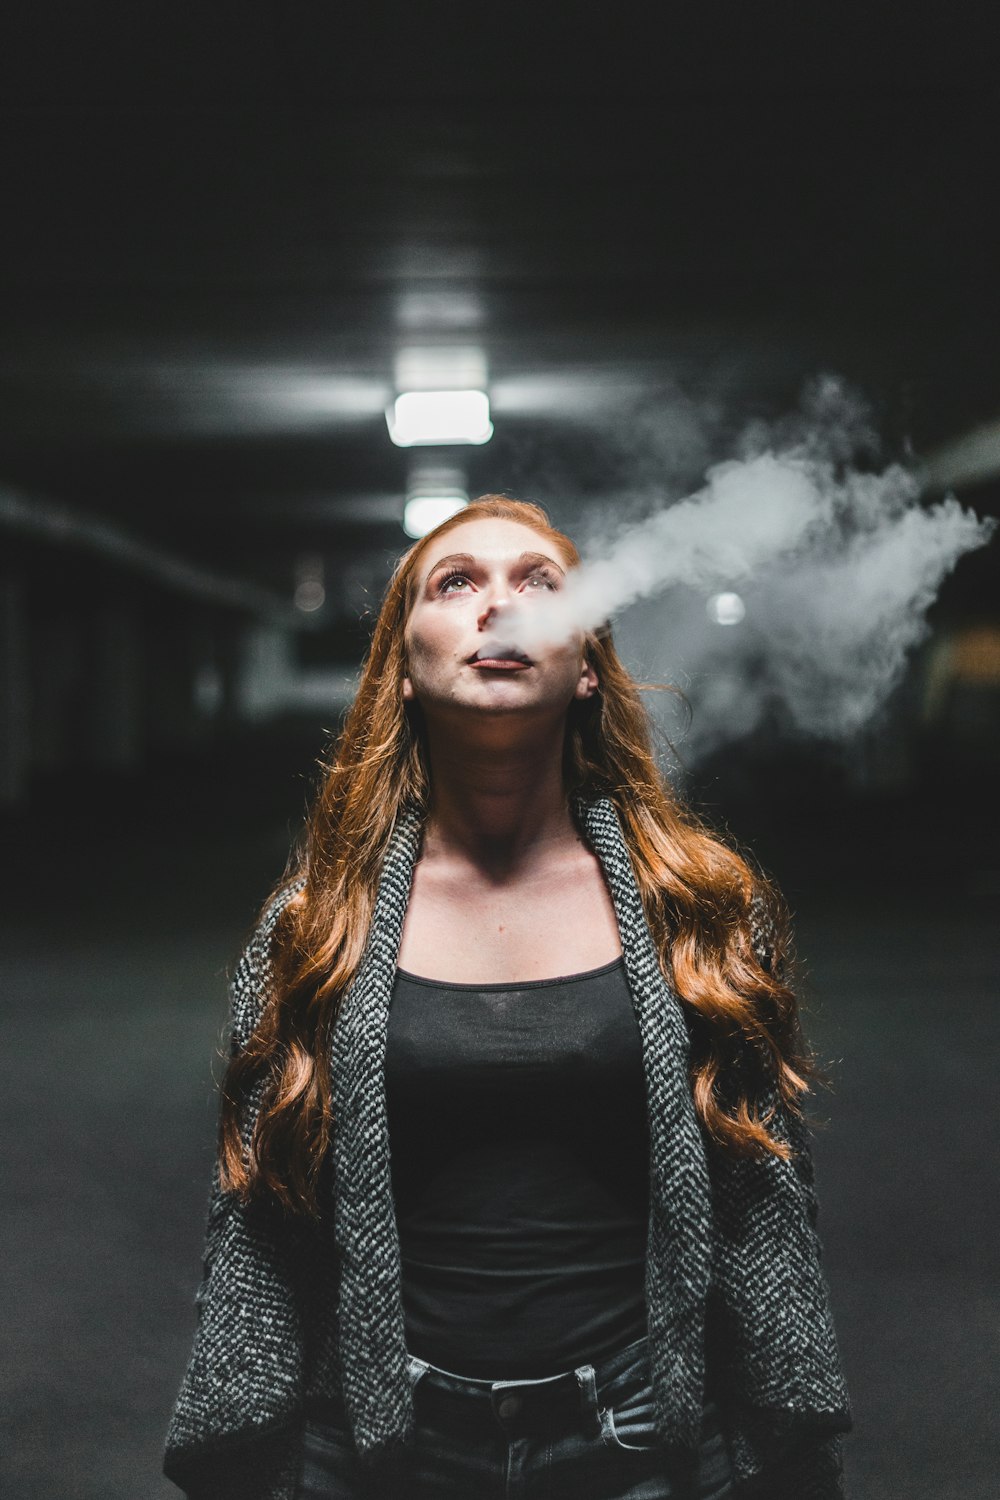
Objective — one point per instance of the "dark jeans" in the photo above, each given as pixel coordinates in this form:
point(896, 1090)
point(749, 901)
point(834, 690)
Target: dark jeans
point(586, 1434)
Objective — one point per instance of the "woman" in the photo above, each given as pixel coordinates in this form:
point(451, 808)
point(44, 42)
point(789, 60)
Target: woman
point(514, 1197)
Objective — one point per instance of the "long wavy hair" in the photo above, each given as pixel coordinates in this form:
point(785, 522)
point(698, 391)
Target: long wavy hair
point(703, 900)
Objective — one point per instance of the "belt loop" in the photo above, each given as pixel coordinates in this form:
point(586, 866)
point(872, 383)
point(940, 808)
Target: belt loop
point(416, 1368)
point(587, 1381)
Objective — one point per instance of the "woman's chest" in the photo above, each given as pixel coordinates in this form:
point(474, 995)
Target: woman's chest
point(469, 932)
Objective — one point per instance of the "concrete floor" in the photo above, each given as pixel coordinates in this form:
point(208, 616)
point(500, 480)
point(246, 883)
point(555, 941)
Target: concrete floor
point(115, 943)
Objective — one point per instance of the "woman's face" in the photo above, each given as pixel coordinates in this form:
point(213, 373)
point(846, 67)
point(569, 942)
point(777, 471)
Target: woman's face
point(465, 582)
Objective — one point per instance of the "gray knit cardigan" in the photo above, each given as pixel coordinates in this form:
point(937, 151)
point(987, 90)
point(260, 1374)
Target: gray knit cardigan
point(288, 1309)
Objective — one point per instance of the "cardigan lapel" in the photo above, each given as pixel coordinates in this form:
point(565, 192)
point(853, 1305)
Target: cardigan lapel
point(373, 1353)
point(679, 1248)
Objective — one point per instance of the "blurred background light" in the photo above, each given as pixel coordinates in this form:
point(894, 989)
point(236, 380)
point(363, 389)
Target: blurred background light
point(428, 309)
point(310, 588)
point(432, 495)
point(441, 367)
point(429, 417)
point(726, 609)
point(310, 595)
point(970, 459)
point(424, 512)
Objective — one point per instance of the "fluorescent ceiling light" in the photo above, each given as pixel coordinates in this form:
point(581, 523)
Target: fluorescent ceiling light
point(423, 512)
point(420, 417)
point(426, 512)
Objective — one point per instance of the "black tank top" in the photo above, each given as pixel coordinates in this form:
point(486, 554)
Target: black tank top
point(520, 1167)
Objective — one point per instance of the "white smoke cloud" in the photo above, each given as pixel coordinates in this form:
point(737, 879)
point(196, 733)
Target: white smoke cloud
point(836, 567)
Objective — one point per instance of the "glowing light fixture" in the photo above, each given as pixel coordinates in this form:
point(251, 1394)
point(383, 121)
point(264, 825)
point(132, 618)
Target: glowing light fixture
point(444, 417)
point(423, 512)
point(432, 495)
point(726, 609)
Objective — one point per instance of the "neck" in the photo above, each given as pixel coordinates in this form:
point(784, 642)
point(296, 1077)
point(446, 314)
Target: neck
point(497, 809)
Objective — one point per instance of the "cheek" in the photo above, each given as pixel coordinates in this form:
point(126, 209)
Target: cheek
point(423, 645)
point(414, 661)
point(570, 659)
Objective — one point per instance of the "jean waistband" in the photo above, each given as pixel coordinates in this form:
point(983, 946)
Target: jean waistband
point(518, 1405)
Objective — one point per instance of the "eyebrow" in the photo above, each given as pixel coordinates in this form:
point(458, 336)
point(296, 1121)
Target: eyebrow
point(467, 559)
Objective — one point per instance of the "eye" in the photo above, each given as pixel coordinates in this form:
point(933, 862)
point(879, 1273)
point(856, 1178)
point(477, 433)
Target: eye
point(543, 576)
point(450, 578)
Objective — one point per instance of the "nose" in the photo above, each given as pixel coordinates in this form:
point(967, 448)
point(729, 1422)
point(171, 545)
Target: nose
point(494, 612)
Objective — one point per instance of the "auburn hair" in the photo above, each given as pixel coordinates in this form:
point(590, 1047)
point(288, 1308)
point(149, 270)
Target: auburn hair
point(703, 900)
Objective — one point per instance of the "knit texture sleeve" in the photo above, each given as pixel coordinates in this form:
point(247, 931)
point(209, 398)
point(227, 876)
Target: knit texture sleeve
point(804, 1466)
point(807, 1467)
point(248, 994)
point(234, 1430)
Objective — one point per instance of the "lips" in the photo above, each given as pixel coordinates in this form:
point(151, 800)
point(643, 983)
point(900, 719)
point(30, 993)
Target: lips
point(499, 664)
point(494, 656)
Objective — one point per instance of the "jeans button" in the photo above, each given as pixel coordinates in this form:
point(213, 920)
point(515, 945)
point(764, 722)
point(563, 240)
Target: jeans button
point(509, 1407)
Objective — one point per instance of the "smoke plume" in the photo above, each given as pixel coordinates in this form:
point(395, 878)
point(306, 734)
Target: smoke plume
point(793, 583)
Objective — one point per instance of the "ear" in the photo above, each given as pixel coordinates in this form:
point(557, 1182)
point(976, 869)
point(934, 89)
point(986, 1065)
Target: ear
point(587, 685)
point(409, 696)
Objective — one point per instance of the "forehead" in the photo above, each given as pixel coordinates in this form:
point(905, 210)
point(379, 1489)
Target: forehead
point(492, 540)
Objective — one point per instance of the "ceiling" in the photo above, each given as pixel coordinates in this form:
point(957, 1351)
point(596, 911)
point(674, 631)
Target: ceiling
point(224, 222)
